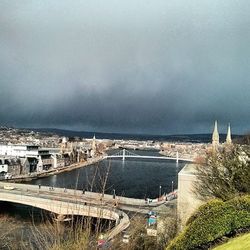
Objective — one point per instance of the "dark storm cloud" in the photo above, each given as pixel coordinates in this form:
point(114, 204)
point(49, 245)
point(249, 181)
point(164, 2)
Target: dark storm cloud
point(128, 66)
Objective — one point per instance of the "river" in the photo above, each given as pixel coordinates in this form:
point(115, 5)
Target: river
point(135, 178)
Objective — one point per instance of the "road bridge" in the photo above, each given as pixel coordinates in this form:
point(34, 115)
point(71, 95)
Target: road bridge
point(93, 198)
point(123, 154)
point(63, 203)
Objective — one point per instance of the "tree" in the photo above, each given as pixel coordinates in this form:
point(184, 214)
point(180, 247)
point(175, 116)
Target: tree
point(225, 173)
point(244, 140)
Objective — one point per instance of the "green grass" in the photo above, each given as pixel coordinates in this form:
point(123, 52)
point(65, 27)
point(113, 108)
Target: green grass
point(238, 243)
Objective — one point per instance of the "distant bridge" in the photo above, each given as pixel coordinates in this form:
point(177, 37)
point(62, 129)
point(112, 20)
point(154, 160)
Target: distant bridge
point(123, 154)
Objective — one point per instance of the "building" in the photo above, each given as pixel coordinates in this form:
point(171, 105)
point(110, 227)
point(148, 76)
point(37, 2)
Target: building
point(93, 148)
point(19, 150)
point(229, 139)
point(10, 166)
point(215, 137)
point(32, 158)
point(3, 167)
point(25, 165)
point(188, 201)
point(46, 160)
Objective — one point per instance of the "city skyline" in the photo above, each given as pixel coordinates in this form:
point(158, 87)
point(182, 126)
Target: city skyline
point(145, 67)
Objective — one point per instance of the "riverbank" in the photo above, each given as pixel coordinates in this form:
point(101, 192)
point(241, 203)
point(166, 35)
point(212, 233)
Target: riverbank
point(55, 171)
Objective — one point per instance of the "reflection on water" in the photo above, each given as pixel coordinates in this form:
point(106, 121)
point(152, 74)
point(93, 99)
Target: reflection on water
point(136, 178)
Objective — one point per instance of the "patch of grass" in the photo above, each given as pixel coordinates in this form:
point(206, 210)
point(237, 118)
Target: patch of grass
point(238, 243)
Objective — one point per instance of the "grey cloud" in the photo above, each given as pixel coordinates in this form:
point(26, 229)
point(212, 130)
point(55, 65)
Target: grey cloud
point(125, 66)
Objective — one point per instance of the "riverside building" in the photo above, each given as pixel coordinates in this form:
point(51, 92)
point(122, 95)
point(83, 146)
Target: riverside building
point(27, 159)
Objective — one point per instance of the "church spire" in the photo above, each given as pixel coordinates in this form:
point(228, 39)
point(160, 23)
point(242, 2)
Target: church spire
point(229, 139)
point(215, 137)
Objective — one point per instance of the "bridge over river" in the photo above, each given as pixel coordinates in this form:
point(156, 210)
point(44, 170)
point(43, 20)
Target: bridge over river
point(68, 202)
point(123, 154)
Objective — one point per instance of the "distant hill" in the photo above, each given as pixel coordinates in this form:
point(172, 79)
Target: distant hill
point(195, 138)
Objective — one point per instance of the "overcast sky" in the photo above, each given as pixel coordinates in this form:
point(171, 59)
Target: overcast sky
point(160, 66)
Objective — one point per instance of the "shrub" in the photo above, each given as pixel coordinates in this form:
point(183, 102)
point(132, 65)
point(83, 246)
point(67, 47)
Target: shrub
point(225, 174)
point(213, 221)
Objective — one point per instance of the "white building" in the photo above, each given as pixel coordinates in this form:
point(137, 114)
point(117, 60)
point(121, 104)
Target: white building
point(19, 150)
point(39, 159)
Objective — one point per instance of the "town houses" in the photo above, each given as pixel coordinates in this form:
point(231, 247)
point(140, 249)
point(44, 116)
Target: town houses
point(41, 155)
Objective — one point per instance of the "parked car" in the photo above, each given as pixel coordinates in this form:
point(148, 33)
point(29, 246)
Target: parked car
point(8, 187)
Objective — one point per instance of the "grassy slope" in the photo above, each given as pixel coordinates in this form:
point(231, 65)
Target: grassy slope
point(239, 243)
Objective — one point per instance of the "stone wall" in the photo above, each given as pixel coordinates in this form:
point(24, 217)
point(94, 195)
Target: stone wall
point(187, 201)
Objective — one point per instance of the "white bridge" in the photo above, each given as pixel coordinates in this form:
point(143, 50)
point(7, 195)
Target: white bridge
point(123, 154)
point(66, 204)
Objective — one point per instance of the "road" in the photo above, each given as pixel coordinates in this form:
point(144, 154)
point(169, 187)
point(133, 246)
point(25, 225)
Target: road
point(92, 198)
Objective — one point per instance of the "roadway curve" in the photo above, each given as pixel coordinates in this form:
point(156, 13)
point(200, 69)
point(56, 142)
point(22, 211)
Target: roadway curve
point(66, 204)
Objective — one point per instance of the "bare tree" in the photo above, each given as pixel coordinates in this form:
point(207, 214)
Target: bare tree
point(225, 173)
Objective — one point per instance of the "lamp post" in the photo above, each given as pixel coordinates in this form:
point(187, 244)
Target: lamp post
point(172, 186)
point(159, 191)
point(113, 193)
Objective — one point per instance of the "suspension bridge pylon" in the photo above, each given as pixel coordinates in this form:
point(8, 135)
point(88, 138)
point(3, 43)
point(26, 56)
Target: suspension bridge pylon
point(123, 154)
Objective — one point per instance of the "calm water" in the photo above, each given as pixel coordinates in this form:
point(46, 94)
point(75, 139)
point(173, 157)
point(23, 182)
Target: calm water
point(132, 178)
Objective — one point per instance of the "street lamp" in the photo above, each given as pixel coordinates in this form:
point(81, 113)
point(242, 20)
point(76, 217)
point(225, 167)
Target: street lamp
point(159, 191)
point(172, 186)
